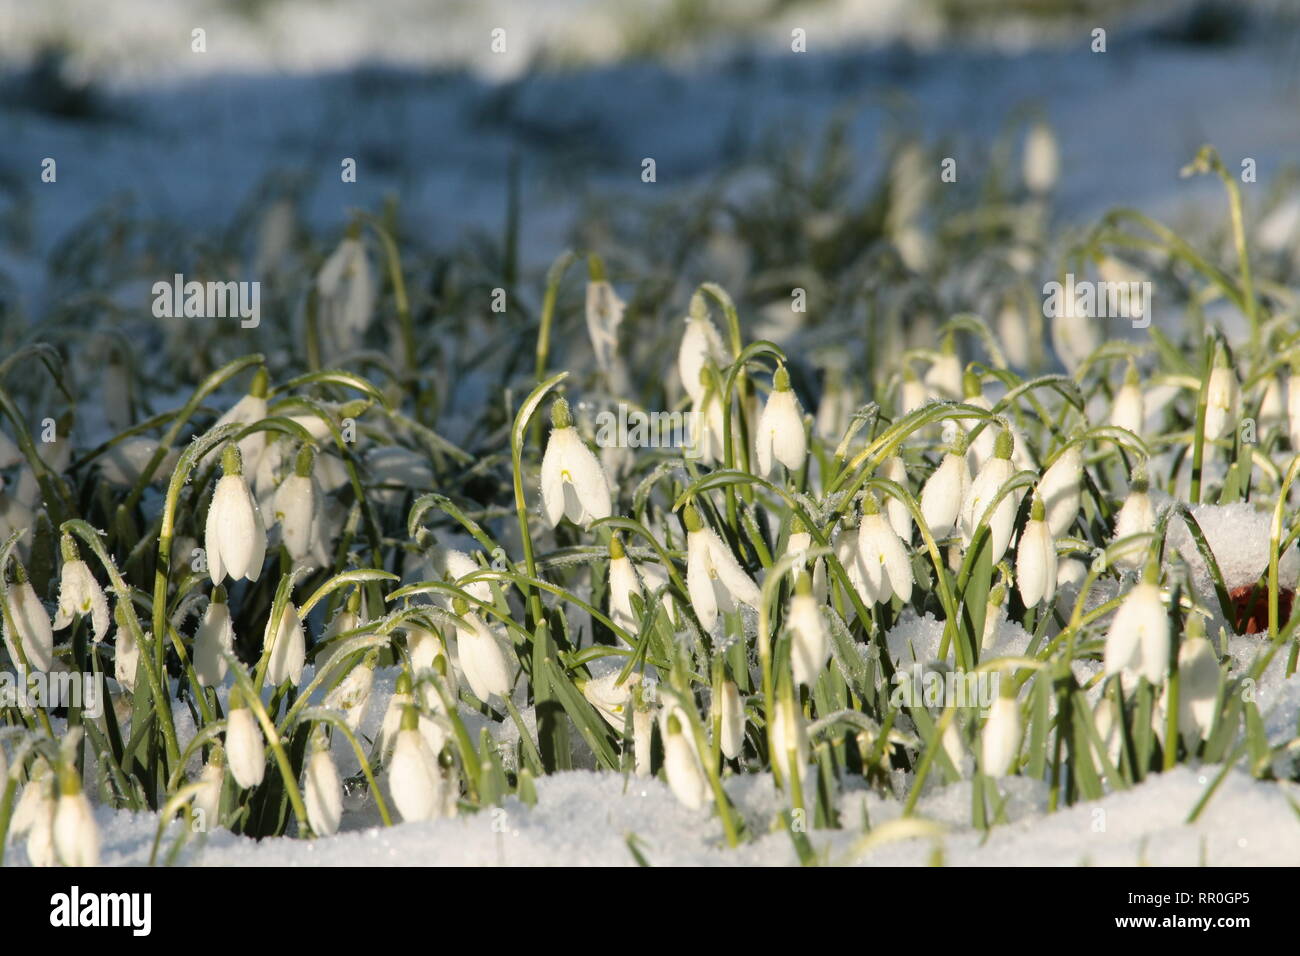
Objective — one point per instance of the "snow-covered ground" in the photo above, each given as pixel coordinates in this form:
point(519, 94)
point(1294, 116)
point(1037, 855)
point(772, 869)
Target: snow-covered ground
point(584, 818)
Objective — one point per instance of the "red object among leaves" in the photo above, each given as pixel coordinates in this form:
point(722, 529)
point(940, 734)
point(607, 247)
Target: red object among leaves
point(1250, 608)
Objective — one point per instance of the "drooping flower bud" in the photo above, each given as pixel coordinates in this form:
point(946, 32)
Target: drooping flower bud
point(245, 746)
point(573, 482)
point(780, 436)
point(714, 578)
point(214, 639)
point(79, 593)
point(235, 537)
point(322, 789)
point(76, 837)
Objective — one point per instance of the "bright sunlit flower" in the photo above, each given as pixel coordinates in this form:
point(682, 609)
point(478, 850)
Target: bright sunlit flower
point(1061, 490)
point(235, 537)
point(287, 646)
point(700, 346)
point(1222, 398)
point(76, 836)
point(573, 482)
point(780, 428)
point(31, 643)
point(295, 504)
point(997, 471)
point(80, 594)
point(943, 493)
point(1138, 639)
point(322, 790)
point(214, 639)
point(245, 746)
point(714, 578)
point(810, 640)
point(414, 778)
point(1036, 559)
point(686, 777)
point(882, 558)
point(482, 660)
point(1000, 739)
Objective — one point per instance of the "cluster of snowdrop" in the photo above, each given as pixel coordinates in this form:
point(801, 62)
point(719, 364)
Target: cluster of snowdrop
point(748, 609)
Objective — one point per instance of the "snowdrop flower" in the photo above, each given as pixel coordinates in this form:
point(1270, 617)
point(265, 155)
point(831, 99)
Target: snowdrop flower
point(573, 483)
point(347, 290)
point(603, 691)
point(1138, 639)
point(414, 779)
point(994, 615)
point(780, 433)
point(997, 471)
point(249, 410)
point(484, 663)
point(707, 427)
point(34, 815)
point(322, 789)
point(287, 645)
point(944, 379)
point(714, 577)
point(1036, 559)
point(245, 748)
point(900, 519)
point(1061, 489)
point(79, 593)
point(1000, 740)
point(912, 394)
point(1222, 397)
point(433, 729)
point(1041, 162)
point(352, 694)
point(604, 316)
point(686, 777)
point(789, 739)
point(76, 837)
point(642, 734)
point(214, 639)
point(1137, 516)
point(235, 537)
point(1198, 685)
point(31, 643)
point(1110, 728)
point(1127, 410)
point(882, 558)
point(800, 541)
point(623, 583)
point(207, 801)
point(944, 491)
point(700, 346)
point(452, 564)
point(810, 641)
point(1271, 411)
point(295, 506)
point(731, 715)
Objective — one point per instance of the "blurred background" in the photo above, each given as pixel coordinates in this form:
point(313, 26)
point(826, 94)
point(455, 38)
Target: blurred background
point(577, 93)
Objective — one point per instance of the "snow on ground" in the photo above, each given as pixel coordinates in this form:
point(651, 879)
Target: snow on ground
point(585, 818)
